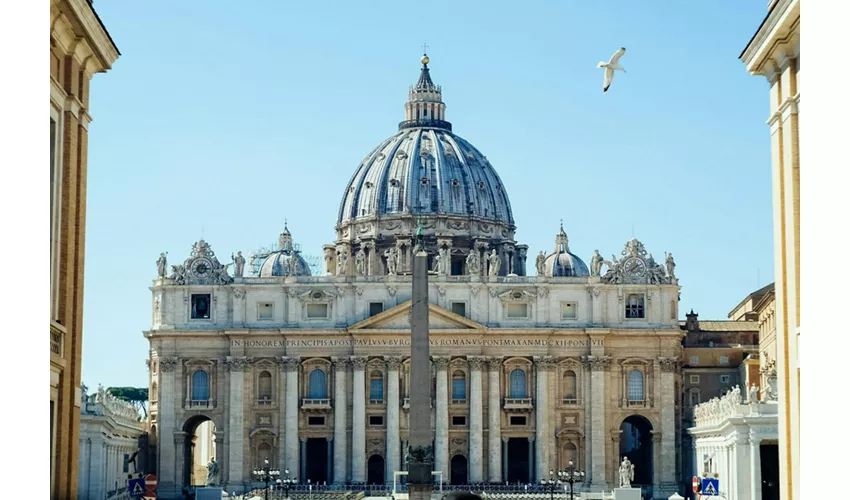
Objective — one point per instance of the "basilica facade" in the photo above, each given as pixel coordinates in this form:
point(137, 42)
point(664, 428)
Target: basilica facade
point(531, 368)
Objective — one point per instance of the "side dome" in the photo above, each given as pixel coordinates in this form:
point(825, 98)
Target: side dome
point(562, 262)
point(285, 261)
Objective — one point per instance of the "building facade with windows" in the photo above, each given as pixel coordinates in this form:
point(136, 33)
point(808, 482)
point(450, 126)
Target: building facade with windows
point(80, 46)
point(774, 53)
point(312, 372)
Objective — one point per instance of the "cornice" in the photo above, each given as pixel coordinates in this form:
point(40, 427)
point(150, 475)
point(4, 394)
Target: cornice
point(765, 40)
point(101, 41)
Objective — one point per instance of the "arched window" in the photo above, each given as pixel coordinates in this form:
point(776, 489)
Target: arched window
point(570, 385)
point(635, 385)
point(318, 389)
point(264, 385)
point(570, 453)
point(200, 386)
point(376, 386)
point(264, 451)
point(458, 385)
point(518, 383)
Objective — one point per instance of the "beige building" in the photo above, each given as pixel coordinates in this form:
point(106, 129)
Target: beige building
point(774, 52)
point(80, 46)
point(311, 372)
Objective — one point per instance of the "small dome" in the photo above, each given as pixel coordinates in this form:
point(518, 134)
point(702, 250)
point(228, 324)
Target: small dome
point(562, 262)
point(280, 262)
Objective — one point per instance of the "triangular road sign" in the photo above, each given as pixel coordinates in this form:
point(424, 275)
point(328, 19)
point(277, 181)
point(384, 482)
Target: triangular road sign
point(138, 490)
point(709, 490)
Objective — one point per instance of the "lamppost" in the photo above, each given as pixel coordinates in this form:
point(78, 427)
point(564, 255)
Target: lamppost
point(551, 483)
point(287, 482)
point(571, 475)
point(266, 475)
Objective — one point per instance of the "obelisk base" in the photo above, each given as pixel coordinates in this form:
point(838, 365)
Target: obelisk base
point(419, 491)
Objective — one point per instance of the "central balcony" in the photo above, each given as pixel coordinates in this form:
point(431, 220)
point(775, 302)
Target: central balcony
point(518, 404)
point(316, 404)
point(406, 404)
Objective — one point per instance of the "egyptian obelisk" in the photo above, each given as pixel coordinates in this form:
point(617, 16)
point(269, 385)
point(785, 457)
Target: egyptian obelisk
point(420, 451)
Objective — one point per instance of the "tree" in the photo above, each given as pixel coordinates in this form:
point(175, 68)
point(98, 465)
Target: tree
point(138, 396)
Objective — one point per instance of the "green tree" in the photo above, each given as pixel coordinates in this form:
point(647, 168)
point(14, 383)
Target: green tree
point(138, 396)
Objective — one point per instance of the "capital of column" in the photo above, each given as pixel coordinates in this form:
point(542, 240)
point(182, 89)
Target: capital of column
point(393, 362)
point(179, 437)
point(494, 363)
point(669, 365)
point(476, 362)
point(218, 436)
point(441, 362)
point(656, 437)
point(237, 364)
point(359, 362)
point(168, 364)
point(289, 364)
point(596, 363)
point(340, 364)
point(505, 440)
point(544, 363)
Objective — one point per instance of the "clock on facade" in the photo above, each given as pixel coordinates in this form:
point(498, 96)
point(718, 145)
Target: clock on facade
point(202, 268)
point(635, 266)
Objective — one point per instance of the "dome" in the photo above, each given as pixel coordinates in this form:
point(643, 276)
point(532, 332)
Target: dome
point(562, 262)
point(426, 170)
point(280, 262)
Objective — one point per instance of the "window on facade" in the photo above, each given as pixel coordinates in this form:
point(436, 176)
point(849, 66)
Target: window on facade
point(458, 420)
point(200, 386)
point(694, 379)
point(315, 420)
point(459, 385)
point(376, 308)
point(264, 385)
point(264, 452)
point(52, 179)
point(459, 308)
point(635, 385)
point(693, 398)
point(126, 463)
point(317, 310)
point(725, 379)
point(569, 384)
point(265, 311)
point(724, 360)
point(571, 453)
point(517, 420)
point(200, 306)
point(376, 386)
point(517, 310)
point(376, 420)
point(569, 310)
point(694, 360)
point(517, 380)
point(317, 387)
point(634, 306)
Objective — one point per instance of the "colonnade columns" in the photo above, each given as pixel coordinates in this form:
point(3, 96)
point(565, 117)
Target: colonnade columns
point(494, 423)
point(282, 405)
point(441, 438)
point(755, 466)
point(165, 448)
point(340, 446)
point(476, 424)
point(669, 369)
point(541, 413)
point(358, 426)
point(291, 462)
point(531, 478)
point(236, 420)
point(598, 368)
point(393, 462)
point(180, 438)
point(505, 460)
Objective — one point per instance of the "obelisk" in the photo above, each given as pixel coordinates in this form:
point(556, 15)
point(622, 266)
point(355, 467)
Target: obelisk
point(420, 452)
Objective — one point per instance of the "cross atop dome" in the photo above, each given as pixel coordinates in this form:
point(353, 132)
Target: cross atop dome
point(425, 107)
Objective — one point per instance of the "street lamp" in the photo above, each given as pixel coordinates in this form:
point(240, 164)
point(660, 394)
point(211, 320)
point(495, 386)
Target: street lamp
point(266, 475)
point(287, 482)
point(551, 484)
point(571, 475)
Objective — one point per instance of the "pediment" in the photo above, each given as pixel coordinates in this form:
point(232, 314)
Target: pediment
point(398, 318)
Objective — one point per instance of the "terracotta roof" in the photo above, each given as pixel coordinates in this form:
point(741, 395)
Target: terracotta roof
point(725, 326)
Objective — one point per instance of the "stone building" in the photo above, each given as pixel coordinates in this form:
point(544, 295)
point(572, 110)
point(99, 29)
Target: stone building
point(109, 439)
point(80, 46)
point(774, 52)
point(311, 372)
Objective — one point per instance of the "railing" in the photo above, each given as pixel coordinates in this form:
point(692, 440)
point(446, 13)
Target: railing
point(265, 401)
point(315, 404)
point(199, 403)
point(57, 339)
point(635, 403)
point(517, 403)
point(407, 403)
point(570, 401)
point(376, 401)
point(459, 401)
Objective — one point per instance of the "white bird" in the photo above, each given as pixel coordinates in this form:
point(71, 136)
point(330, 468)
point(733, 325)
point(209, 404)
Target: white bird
point(612, 65)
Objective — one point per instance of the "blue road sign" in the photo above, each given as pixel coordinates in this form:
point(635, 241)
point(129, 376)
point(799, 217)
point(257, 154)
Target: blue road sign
point(710, 487)
point(136, 487)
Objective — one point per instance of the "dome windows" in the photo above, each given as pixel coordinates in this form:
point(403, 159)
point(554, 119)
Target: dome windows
point(423, 181)
point(482, 186)
point(369, 185)
point(455, 182)
point(394, 183)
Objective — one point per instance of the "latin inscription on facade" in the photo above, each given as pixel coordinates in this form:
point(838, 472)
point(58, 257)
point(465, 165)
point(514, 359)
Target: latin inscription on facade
point(276, 344)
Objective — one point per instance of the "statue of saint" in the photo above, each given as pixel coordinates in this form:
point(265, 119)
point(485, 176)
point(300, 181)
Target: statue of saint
point(360, 262)
point(671, 265)
point(161, 266)
point(753, 395)
point(473, 266)
point(239, 261)
point(437, 263)
point(341, 261)
point(392, 260)
point(495, 263)
point(596, 264)
point(627, 473)
point(212, 472)
point(541, 263)
point(445, 262)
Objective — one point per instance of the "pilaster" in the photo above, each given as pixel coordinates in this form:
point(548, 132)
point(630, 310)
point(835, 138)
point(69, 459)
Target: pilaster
point(476, 424)
point(441, 438)
point(393, 461)
point(598, 370)
point(340, 441)
point(494, 414)
point(236, 367)
point(292, 462)
point(358, 425)
point(541, 406)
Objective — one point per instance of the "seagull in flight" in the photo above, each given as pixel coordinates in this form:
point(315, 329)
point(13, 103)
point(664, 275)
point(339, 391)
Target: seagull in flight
point(612, 65)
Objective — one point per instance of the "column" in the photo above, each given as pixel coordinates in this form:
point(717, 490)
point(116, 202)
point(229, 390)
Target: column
point(330, 457)
point(236, 421)
point(598, 370)
point(541, 414)
point(358, 425)
point(531, 478)
point(755, 466)
point(303, 448)
point(340, 449)
point(165, 449)
point(669, 369)
point(505, 460)
point(393, 462)
point(281, 417)
point(476, 423)
point(291, 462)
point(441, 438)
point(494, 423)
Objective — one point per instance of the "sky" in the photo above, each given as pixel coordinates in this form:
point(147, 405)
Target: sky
point(221, 119)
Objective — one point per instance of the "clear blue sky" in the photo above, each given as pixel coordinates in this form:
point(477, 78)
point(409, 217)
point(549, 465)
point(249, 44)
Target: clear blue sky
point(224, 118)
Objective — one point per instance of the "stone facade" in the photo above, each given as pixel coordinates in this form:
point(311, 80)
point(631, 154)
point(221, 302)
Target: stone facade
point(79, 47)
